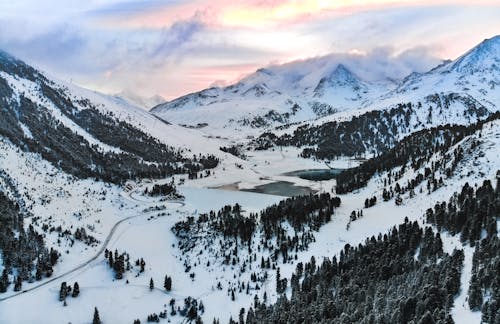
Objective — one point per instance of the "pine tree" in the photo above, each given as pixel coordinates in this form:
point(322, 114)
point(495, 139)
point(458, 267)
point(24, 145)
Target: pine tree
point(475, 294)
point(426, 319)
point(4, 281)
point(151, 284)
point(110, 259)
point(143, 264)
point(192, 313)
point(168, 283)
point(63, 292)
point(76, 290)
point(38, 274)
point(278, 279)
point(18, 284)
point(96, 319)
point(241, 316)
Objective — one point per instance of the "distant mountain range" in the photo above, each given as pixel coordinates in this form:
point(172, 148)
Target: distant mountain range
point(86, 133)
point(311, 89)
point(411, 238)
point(142, 102)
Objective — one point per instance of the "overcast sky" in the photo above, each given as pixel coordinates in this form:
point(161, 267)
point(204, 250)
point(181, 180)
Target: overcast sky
point(172, 47)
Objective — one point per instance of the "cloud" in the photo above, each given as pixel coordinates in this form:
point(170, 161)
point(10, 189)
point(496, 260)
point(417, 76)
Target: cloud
point(133, 7)
point(173, 47)
point(378, 64)
point(384, 62)
point(174, 37)
point(61, 44)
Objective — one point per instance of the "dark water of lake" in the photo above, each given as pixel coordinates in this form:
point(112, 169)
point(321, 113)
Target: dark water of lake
point(281, 188)
point(315, 174)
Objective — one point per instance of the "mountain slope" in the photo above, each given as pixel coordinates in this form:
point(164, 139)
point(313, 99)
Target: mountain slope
point(476, 73)
point(459, 92)
point(444, 181)
point(418, 271)
point(272, 96)
point(85, 137)
point(322, 90)
point(65, 152)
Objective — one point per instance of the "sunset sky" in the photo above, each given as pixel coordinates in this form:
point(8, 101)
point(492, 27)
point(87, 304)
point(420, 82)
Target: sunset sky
point(172, 47)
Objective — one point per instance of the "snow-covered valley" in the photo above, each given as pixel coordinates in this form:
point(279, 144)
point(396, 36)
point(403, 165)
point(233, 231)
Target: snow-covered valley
point(147, 234)
point(172, 217)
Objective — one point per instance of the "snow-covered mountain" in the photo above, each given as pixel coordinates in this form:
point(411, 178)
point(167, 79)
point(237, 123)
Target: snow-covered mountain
point(306, 90)
point(86, 133)
point(375, 245)
point(476, 73)
point(276, 95)
point(142, 102)
point(341, 79)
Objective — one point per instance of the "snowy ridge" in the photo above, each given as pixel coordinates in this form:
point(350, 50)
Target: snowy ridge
point(139, 101)
point(130, 113)
point(483, 57)
point(476, 73)
point(306, 90)
point(32, 91)
point(296, 91)
point(27, 81)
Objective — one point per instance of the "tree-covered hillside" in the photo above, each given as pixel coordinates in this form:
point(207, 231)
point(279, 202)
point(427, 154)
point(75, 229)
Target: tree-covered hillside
point(76, 136)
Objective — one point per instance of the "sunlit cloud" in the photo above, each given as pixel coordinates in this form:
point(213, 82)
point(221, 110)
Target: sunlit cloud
point(172, 47)
point(255, 14)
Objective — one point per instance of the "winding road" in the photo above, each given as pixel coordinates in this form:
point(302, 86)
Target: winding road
point(97, 254)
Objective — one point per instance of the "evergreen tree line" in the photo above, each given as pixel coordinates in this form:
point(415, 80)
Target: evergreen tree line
point(22, 250)
point(311, 210)
point(120, 262)
point(304, 213)
point(82, 235)
point(399, 277)
point(233, 150)
point(166, 189)
point(468, 213)
point(413, 151)
point(191, 311)
point(445, 164)
point(373, 132)
point(66, 290)
point(73, 153)
point(473, 213)
point(269, 118)
point(484, 288)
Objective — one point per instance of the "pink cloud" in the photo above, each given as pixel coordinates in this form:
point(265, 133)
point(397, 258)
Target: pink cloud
point(257, 14)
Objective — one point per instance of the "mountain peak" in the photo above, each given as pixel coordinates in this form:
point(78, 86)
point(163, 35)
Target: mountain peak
point(342, 76)
point(484, 56)
point(342, 68)
point(140, 101)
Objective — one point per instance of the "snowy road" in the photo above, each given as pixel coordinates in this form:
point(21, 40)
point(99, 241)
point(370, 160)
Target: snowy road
point(93, 258)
